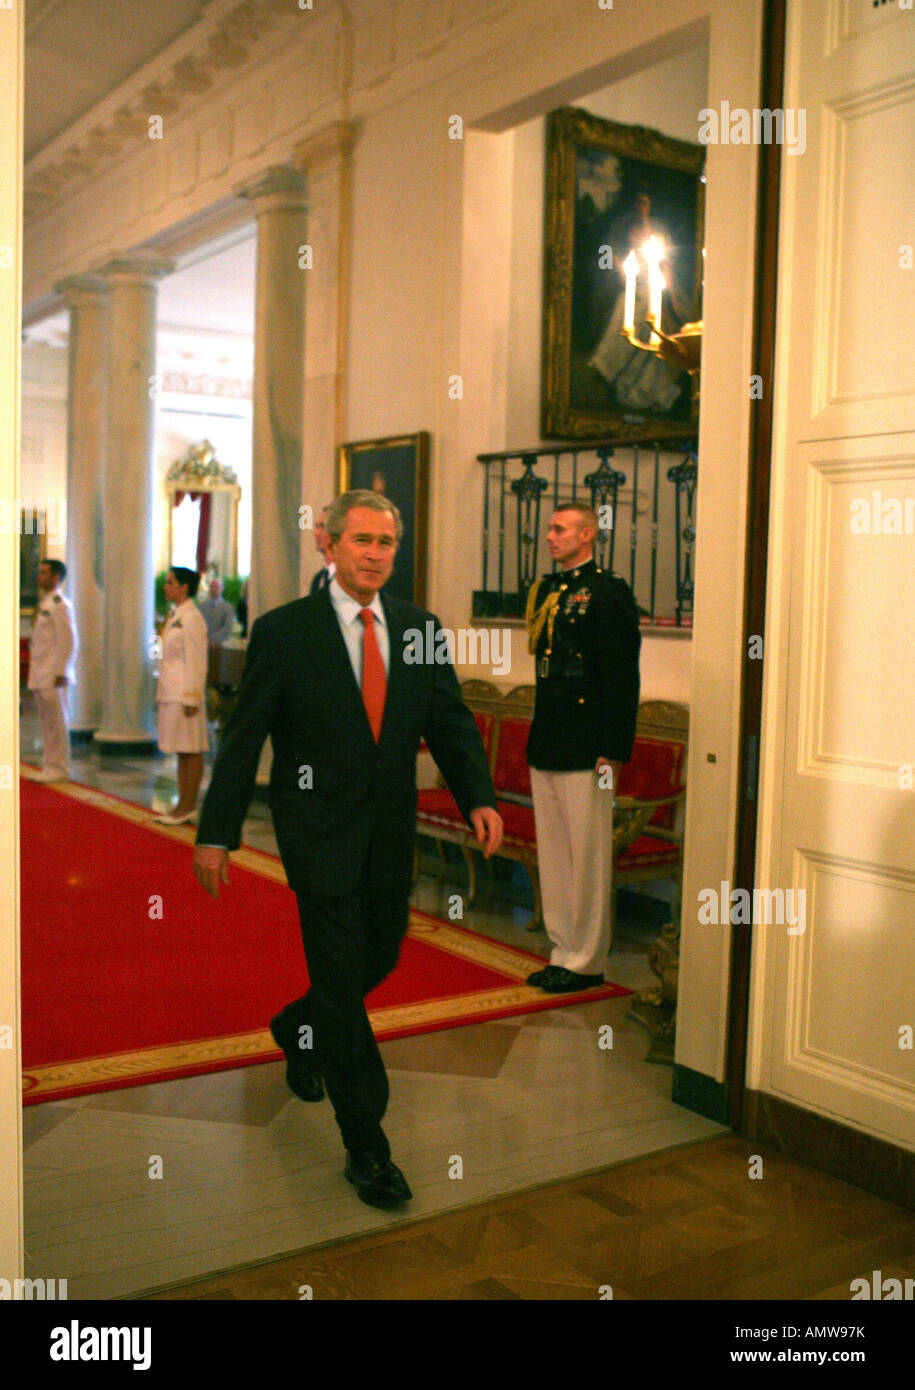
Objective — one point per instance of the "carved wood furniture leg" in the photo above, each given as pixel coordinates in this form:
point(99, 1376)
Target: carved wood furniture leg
point(536, 921)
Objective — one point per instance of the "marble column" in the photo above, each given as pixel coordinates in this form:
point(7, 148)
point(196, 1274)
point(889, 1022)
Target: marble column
point(278, 198)
point(128, 628)
point(326, 161)
point(86, 297)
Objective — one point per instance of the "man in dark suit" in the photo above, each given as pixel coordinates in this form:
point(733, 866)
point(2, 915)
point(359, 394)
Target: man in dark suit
point(326, 678)
point(325, 575)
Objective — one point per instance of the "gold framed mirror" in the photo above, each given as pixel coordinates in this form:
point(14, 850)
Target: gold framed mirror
point(203, 497)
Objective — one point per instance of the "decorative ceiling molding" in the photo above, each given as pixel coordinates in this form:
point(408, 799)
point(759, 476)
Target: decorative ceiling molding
point(224, 38)
point(206, 384)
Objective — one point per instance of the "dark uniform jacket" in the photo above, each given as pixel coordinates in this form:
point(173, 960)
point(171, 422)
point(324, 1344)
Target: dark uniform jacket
point(341, 803)
point(587, 673)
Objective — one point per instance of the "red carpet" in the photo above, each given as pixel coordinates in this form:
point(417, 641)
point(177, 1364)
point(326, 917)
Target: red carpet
point(132, 974)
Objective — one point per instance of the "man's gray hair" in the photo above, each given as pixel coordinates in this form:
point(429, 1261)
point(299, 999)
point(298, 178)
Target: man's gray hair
point(335, 520)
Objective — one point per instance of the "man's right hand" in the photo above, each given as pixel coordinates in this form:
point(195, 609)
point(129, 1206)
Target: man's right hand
point(211, 867)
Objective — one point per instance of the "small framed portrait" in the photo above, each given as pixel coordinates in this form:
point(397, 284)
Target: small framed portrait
point(33, 548)
point(397, 468)
point(615, 192)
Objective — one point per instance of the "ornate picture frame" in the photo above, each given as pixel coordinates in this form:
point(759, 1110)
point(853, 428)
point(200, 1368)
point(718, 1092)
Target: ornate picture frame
point(397, 467)
point(607, 185)
point(33, 548)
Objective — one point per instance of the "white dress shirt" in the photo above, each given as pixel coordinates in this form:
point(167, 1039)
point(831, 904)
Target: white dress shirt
point(347, 610)
point(351, 626)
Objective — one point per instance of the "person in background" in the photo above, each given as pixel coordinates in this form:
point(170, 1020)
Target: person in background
point(52, 656)
point(583, 629)
point(218, 614)
point(325, 575)
point(241, 611)
point(180, 710)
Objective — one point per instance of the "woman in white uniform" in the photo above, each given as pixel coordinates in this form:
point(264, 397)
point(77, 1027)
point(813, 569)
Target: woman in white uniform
point(180, 706)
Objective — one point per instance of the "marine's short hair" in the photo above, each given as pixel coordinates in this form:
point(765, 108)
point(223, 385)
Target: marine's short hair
point(189, 577)
point(335, 520)
point(57, 568)
point(585, 511)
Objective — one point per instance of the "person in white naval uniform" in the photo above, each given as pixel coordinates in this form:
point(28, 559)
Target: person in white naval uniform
point(52, 657)
point(181, 714)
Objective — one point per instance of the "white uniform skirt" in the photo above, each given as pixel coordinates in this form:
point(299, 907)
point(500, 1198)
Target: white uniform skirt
point(181, 733)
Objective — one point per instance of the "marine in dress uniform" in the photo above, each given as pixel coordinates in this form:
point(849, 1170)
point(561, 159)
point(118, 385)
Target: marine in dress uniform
point(52, 658)
point(583, 630)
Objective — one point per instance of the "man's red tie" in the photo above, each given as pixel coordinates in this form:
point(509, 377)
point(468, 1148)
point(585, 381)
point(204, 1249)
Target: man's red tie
point(374, 679)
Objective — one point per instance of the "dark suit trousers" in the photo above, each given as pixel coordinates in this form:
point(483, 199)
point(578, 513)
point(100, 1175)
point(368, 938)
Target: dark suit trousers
point(350, 946)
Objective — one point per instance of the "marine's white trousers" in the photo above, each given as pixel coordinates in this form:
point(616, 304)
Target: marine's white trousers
point(574, 816)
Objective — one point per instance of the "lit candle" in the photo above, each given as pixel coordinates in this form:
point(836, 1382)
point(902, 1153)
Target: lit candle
point(631, 270)
point(656, 289)
point(653, 251)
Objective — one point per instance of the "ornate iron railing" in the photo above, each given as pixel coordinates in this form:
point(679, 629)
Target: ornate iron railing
point(647, 530)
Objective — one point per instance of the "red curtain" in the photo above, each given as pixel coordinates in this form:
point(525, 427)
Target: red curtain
point(203, 530)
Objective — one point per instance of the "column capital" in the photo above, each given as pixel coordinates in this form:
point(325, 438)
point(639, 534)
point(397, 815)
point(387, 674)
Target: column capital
point(277, 188)
point(137, 268)
point(82, 290)
point(334, 142)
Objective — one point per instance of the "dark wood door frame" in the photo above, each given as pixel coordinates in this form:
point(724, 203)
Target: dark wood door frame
point(757, 551)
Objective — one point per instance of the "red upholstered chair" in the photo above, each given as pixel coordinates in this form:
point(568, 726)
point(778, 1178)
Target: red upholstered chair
point(437, 812)
point(647, 826)
point(512, 781)
point(647, 835)
point(511, 775)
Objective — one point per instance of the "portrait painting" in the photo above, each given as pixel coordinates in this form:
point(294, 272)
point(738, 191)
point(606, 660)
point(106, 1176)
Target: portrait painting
point(397, 468)
point(32, 550)
point(615, 192)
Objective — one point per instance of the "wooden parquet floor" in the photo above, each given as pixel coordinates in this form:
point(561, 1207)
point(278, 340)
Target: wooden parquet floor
point(688, 1223)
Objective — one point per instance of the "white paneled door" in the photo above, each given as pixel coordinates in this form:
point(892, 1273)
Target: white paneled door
point(833, 1004)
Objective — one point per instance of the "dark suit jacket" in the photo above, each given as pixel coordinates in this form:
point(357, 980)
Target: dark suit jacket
point(319, 581)
point(360, 810)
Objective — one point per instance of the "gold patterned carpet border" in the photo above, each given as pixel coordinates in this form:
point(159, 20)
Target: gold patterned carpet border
point(98, 1073)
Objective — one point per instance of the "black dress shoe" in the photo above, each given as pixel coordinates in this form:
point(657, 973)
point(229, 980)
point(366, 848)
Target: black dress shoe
point(301, 1077)
point(562, 981)
point(538, 976)
point(377, 1183)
